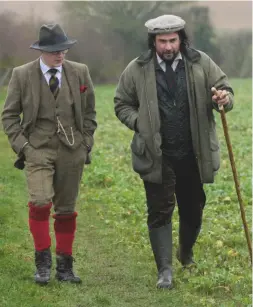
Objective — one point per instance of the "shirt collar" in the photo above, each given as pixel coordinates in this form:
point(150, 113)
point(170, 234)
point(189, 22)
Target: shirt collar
point(177, 58)
point(45, 68)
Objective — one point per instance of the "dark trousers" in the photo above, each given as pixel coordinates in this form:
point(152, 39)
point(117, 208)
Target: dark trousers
point(180, 178)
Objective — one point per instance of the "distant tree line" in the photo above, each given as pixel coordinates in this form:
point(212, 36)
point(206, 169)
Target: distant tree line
point(110, 34)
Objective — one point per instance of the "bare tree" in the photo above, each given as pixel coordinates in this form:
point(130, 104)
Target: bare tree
point(111, 33)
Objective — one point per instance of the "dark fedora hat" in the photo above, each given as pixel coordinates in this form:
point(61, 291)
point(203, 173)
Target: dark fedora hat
point(52, 38)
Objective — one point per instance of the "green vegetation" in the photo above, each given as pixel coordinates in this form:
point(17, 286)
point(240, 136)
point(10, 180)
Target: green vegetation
point(112, 250)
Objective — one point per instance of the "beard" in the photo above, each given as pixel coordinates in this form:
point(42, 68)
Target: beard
point(168, 56)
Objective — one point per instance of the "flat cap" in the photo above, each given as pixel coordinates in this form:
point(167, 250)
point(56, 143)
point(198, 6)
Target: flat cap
point(165, 24)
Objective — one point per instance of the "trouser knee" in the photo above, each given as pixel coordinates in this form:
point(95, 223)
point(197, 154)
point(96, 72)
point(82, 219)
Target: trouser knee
point(159, 219)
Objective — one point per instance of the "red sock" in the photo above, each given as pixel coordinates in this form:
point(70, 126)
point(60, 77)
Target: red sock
point(65, 227)
point(39, 225)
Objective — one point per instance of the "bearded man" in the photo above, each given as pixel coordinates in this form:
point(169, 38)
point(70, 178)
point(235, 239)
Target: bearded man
point(165, 97)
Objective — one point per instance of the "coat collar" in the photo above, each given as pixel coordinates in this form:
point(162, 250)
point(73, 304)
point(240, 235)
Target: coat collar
point(191, 54)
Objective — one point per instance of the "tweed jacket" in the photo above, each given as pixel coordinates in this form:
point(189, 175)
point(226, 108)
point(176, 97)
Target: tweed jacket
point(23, 99)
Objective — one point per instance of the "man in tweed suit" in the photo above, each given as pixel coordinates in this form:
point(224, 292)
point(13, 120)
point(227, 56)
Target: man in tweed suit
point(53, 141)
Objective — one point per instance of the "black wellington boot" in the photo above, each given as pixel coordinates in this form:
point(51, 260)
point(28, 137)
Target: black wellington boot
point(187, 238)
point(64, 269)
point(43, 262)
point(161, 242)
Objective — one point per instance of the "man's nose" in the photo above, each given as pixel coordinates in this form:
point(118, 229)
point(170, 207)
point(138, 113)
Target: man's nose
point(168, 46)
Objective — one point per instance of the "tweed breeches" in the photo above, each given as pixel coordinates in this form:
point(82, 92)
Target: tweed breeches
point(53, 174)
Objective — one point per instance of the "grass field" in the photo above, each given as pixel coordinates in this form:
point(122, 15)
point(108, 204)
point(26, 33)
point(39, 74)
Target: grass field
point(112, 250)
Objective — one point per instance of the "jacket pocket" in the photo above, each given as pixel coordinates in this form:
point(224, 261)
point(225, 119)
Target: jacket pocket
point(141, 158)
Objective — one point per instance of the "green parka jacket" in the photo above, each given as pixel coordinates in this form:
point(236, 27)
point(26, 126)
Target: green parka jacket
point(136, 106)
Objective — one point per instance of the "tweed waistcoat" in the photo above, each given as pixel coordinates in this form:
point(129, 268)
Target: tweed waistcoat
point(174, 113)
point(54, 116)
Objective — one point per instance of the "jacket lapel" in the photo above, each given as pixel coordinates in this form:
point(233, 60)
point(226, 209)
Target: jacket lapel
point(35, 79)
point(74, 84)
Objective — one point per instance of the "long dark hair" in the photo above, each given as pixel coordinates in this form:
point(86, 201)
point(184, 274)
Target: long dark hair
point(183, 38)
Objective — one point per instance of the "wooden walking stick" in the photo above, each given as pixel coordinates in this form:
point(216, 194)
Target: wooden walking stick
point(237, 186)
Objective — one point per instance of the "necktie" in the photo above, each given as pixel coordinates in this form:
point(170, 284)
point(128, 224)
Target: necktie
point(54, 82)
point(171, 78)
